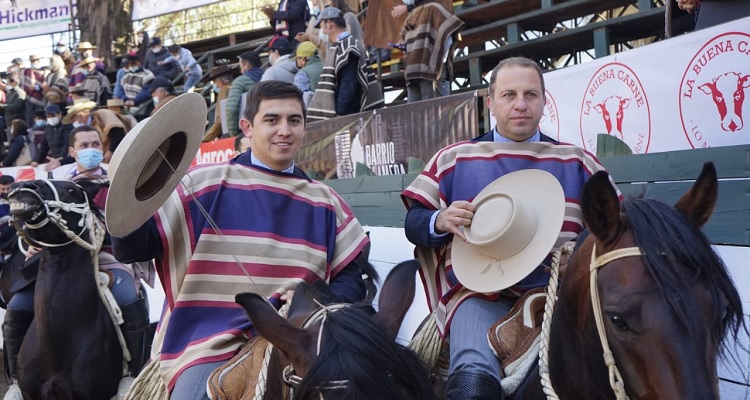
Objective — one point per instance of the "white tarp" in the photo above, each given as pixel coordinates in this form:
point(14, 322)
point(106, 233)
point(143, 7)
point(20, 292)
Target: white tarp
point(682, 93)
point(151, 8)
point(23, 18)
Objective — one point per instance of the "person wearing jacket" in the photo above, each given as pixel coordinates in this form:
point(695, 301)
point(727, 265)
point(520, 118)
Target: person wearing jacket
point(156, 54)
point(15, 100)
point(283, 67)
point(289, 18)
point(188, 64)
point(19, 138)
point(222, 84)
point(251, 74)
point(54, 145)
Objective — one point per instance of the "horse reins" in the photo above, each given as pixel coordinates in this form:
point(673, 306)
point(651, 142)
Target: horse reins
point(615, 378)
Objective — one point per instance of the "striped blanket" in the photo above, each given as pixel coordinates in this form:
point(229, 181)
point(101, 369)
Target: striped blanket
point(284, 229)
point(460, 172)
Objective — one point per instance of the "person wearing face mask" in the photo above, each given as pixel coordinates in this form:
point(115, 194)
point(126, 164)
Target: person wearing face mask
point(251, 74)
point(162, 92)
point(222, 78)
point(184, 58)
point(32, 82)
point(57, 81)
point(15, 101)
point(135, 83)
point(66, 55)
point(78, 74)
point(54, 144)
point(96, 86)
point(36, 130)
point(157, 53)
point(282, 66)
point(19, 139)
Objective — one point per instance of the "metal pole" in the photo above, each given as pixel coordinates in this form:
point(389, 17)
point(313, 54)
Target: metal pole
point(73, 22)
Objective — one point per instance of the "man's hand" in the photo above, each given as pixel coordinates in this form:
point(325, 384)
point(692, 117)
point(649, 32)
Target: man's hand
point(287, 295)
point(129, 103)
point(452, 219)
point(34, 164)
point(690, 6)
point(268, 10)
point(399, 11)
point(32, 251)
point(52, 164)
point(301, 37)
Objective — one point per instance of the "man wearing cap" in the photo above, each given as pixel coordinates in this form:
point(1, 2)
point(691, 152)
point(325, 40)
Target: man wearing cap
point(296, 219)
point(441, 210)
point(54, 144)
point(222, 78)
point(310, 68)
point(282, 66)
point(251, 74)
point(162, 92)
point(32, 81)
point(156, 54)
point(136, 82)
point(348, 84)
point(184, 58)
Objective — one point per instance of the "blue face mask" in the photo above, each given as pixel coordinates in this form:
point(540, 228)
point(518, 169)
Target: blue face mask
point(90, 158)
point(40, 123)
point(216, 88)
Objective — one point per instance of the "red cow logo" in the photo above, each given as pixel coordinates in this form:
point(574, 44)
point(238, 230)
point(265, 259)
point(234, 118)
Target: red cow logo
point(728, 88)
point(716, 78)
point(610, 105)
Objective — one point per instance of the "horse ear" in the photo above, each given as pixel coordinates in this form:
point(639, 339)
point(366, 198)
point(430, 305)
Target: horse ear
point(699, 202)
point(396, 297)
point(289, 339)
point(305, 298)
point(601, 207)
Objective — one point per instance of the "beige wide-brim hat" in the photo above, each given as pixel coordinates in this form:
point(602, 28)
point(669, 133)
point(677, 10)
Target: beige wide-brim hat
point(78, 106)
point(141, 170)
point(54, 94)
point(517, 221)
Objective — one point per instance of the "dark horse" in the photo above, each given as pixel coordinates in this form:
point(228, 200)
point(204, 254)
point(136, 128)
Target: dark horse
point(350, 352)
point(666, 312)
point(71, 350)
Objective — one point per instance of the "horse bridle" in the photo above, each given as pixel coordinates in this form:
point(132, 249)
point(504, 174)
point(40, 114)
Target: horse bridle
point(615, 378)
point(290, 376)
point(52, 209)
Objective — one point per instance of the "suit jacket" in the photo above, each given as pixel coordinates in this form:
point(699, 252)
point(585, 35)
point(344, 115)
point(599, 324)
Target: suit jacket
point(417, 223)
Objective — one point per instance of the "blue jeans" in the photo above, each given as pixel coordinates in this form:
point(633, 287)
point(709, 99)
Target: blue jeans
point(469, 348)
point(191, 385)
point(190, 81)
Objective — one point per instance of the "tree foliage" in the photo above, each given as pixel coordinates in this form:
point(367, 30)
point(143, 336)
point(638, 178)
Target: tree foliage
point(106, 24)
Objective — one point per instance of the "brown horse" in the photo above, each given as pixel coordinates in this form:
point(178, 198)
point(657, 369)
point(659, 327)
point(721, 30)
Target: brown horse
point(71, 350)
point(667, 306)
point(350, 352)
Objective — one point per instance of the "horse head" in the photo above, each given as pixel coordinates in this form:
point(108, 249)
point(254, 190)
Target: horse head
point(44, 210)
point(666, 299)
point(346, 351)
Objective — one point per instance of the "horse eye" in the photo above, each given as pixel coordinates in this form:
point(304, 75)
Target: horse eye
point(618, 322)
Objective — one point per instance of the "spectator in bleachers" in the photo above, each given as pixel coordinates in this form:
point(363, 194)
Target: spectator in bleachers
point(349, 83)
point(184, 58)
point(54, 144)
point(222, 84)
point(66, 55)
point(162, 92)
point(310, 67)
point(251, 74)
point(313, 34)
point(32, 80)
point(96, 86)
point(55, 95)
point(78, 76)
point(159, 53)
point(6, 181)
point(15, 101)
point(17, 156)
point(117, 106)
point(352, 23)
point(36, 130)
point(79, 113)
point(118, 92)
point(77, 93)
point(282, 66)
point(142, 40)
point(136, 83)
point(58, 75)
point(241, 144)
point(430, 33)
point(16, 66)
point(289, 19)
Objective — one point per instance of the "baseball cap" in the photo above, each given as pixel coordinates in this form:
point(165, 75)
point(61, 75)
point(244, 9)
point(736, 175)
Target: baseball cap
point(281, 44)
point(155, 41)
point(162, 83)
point(328, 13)
point(52, 109)
point(305, 50)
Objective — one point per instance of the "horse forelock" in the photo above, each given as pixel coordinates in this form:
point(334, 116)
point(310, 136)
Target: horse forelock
point(355, 349)
point(679, 257)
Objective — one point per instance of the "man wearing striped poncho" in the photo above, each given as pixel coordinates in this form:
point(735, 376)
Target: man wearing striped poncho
point(439, 202)
point(281, 226)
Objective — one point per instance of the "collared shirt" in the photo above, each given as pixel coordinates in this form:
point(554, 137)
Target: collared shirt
point(497, 138)
point(255, 161)
point(343, 35)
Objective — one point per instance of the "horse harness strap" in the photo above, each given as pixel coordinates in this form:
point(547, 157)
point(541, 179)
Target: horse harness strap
point(290, 377)
point(615, 378)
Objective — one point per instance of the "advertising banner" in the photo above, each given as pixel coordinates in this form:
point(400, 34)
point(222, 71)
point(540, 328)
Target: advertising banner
point(682, 93)
point(151, 8)
point(25, 18)
point(388, 140)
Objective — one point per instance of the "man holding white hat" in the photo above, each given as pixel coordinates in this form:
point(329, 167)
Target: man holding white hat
point(485, 213)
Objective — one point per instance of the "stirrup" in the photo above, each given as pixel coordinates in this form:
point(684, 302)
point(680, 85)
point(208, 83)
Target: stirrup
point(14, 392)
point(122, 387)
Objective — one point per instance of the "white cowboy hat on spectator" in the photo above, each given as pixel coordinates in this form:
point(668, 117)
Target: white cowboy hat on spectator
point(86, 46)
point(78, 106)
point(142, 170)
point(115, 103)
point(516, 224)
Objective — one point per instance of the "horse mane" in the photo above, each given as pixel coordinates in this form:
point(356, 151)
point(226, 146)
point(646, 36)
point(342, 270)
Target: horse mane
point(679, 256)
point(355, 348)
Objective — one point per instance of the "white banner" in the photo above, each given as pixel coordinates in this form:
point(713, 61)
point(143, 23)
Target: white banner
point(151, 8)
point(682, 93)
point(23, 18)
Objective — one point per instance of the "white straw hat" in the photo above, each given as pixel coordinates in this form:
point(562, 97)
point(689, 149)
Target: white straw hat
point(517, 222)
point(141, 179)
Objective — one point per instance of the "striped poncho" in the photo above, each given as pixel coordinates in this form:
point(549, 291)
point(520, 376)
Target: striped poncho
point(460, 172)
point(283, 228)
